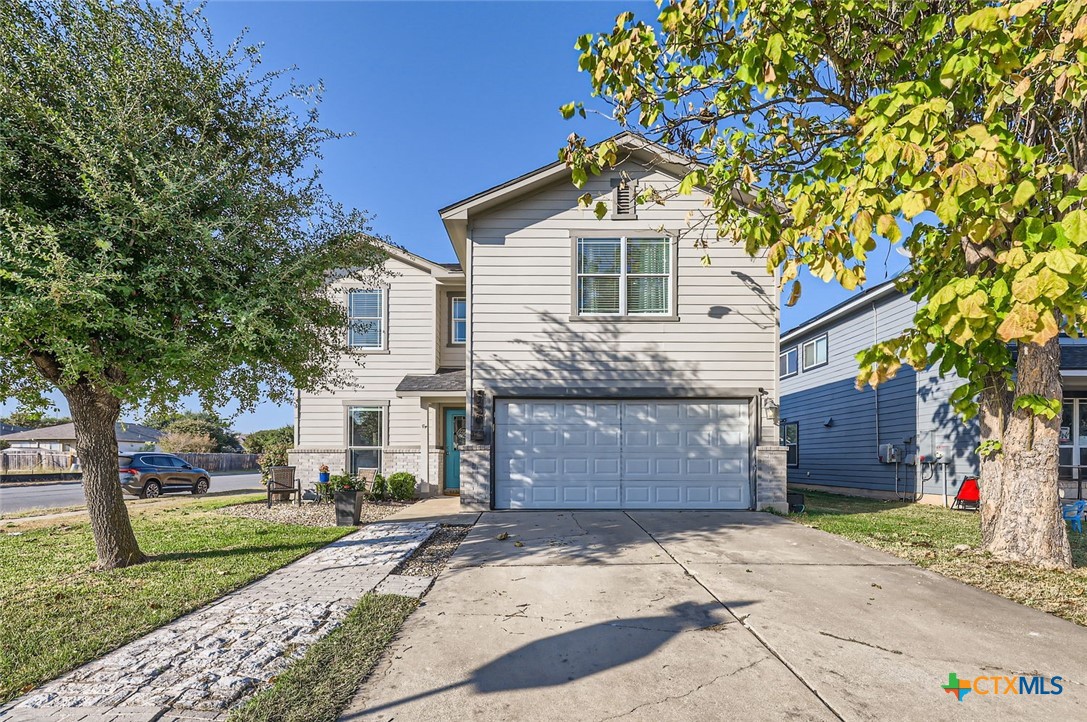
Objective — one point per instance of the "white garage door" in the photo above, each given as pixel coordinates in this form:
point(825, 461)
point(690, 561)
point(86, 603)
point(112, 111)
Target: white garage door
point(656, 454)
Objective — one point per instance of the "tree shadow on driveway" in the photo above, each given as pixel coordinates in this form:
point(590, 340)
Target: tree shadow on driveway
point(582, 652)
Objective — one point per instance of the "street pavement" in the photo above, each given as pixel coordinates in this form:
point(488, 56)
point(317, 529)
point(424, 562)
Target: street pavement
point(54, 496)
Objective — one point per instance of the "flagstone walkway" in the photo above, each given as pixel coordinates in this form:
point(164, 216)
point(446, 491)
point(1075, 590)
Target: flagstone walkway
point(200, 665)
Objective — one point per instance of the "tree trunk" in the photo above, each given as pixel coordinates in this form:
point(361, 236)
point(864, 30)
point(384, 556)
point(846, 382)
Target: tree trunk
point(1020, 514)
point(95, 413)
point(994, 408)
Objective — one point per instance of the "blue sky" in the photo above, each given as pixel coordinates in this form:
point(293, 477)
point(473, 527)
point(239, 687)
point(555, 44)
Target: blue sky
point(445, 99)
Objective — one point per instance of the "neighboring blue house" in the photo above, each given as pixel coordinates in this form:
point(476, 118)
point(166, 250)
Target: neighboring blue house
point(902, 439)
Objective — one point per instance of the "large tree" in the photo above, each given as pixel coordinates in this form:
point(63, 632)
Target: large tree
point(163, 231)
point(956, 127)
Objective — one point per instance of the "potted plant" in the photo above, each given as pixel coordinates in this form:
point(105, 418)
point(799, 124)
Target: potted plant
point(322, 473)
point(348, 499)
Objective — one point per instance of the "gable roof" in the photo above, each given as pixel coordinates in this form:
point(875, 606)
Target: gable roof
point(455, 215)
point(66, 432)
point(441, 270)
point(553, 171)
point(846, 307)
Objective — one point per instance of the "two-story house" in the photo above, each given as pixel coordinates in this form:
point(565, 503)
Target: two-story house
point(902, 439)
point(574, 362)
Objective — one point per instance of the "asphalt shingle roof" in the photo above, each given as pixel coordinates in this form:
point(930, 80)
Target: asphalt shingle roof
point(1074, 357)
point(447, 379)
point(64, 432)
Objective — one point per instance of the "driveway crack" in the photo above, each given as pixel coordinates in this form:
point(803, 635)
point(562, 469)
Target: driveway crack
point(861, 642)
point(743, 621)
point(674, 697)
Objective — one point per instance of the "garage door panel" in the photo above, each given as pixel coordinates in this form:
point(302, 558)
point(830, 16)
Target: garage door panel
point(607, 454)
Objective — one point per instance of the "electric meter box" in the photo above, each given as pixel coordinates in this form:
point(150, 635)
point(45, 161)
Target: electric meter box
point(888, 454)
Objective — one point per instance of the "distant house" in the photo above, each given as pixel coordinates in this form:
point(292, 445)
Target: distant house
point(9, 429)
point(902, 439)
point(130, 437)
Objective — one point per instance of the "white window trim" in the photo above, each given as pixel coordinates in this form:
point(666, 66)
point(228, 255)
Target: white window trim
point(453, 321)
point(623, 276)
point(795, 443)
point(796, 365)
point(383, 425)
point(812, 342)
point(383, 339)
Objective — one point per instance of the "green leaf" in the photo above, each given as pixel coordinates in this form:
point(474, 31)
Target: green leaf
point(1075, 226)
point(1023, 193)
point(601, 210)
point(691, 181)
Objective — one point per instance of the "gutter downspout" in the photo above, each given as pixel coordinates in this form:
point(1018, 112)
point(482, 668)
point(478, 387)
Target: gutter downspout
point(875, 338)
point(297, 417)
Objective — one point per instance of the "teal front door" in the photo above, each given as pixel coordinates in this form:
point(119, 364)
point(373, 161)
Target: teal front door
point(455, 434)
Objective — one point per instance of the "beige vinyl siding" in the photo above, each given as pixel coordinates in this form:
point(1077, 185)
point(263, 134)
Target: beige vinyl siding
point(522, 333)
point(448, 356)
point(410, 295)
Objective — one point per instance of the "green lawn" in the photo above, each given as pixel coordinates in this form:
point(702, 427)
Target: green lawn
point(56, 613)
point(927, 536)
point(321, 684)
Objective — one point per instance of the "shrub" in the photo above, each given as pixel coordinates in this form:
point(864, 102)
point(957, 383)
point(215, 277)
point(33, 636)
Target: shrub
point(402, 485)
point(176, 441)
point(380, 488)
point(274, 455)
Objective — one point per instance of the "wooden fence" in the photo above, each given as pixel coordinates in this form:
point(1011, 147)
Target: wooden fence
point(221, 462)
point(22, 460)
point(38, 460)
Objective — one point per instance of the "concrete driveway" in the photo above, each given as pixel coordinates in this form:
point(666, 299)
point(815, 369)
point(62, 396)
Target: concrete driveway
point(707, 615)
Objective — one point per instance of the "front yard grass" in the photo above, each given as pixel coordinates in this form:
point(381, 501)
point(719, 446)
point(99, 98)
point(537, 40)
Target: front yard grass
point(320, 685)
point(56, 613)
point(927, 535)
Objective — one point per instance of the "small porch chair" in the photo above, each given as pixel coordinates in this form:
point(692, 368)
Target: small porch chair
point(282, 480)
point(969, 495)
point(1073, 514)
point(365, 479)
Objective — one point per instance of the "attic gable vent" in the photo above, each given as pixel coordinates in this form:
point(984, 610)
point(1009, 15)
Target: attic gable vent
point(624, 199)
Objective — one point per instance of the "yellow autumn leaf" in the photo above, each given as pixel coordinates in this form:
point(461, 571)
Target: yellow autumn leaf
point(973, 306)
point(913, 204)
point(1019, 323)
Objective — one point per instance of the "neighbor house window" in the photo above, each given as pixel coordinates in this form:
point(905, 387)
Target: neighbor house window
point(815, 352)
point(787, 363)
point(624, 277)
point(458, 319)
point(790, 439)
point(366, 312)
point(365, 436)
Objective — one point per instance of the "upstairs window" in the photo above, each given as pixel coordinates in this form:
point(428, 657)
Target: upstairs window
point(458, 320)
point(366, 313)
point(815, 352)
point(624, 277)
point(787, 363)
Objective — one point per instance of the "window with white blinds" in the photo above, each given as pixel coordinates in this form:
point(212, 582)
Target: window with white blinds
point(624, 277)
point(366, 314)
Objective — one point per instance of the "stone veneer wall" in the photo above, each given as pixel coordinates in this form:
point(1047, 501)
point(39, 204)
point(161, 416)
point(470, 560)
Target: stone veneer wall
point(475, 477)
point(393, 459)
point(307, 461)
point(437, 471)
point(400, 458)
point(770, 478)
